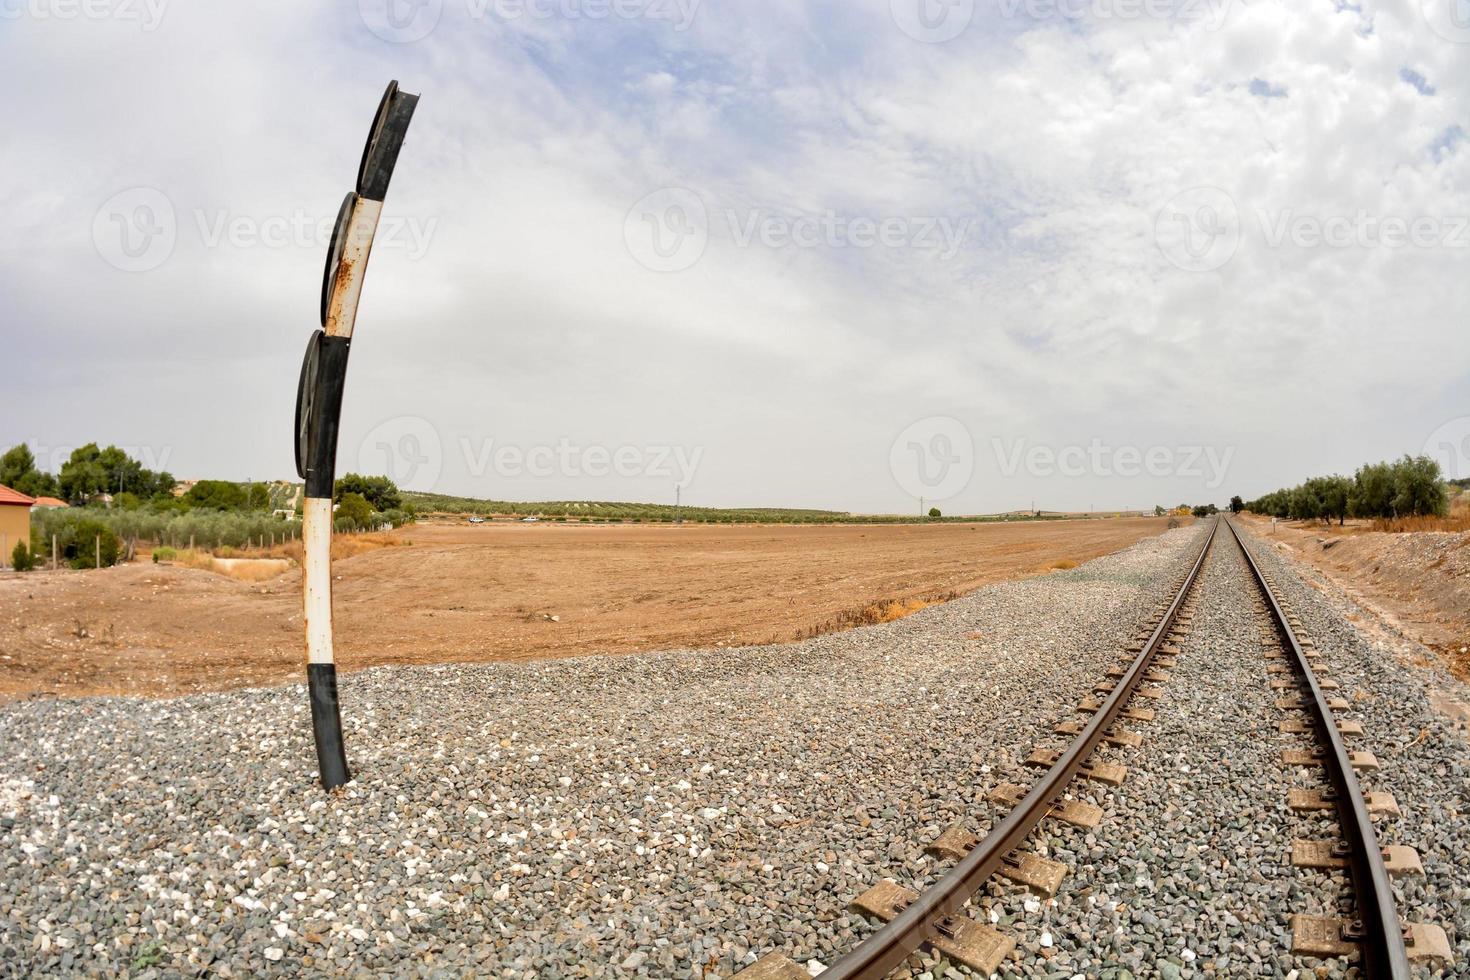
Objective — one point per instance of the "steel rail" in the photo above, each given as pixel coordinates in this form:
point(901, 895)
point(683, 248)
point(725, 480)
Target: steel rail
point(923, 920)
point(1384, 954)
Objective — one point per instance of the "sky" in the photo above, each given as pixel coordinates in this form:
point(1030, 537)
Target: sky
point(866, 256)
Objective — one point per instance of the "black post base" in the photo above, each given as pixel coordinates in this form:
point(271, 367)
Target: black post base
point(326, 723)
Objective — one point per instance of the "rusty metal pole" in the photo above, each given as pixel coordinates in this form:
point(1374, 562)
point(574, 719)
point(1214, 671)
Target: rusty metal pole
point(319, 408)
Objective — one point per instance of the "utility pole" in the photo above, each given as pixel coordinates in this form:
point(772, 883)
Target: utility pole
point(678, 502)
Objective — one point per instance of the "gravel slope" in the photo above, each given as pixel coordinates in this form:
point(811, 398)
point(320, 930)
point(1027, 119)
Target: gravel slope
point(679, 814)
point(661, 814)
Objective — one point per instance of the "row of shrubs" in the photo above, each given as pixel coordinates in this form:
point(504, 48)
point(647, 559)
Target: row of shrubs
point(1411, 487)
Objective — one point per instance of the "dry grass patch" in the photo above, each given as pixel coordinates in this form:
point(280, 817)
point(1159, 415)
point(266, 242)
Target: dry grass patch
point(881, 611)
point(1457, 522)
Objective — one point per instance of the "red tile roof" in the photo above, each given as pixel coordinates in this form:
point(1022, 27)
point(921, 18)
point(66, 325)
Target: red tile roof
point(50, 502)
point(9, 496)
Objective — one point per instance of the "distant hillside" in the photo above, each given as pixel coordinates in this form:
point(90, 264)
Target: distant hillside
point(427, 503)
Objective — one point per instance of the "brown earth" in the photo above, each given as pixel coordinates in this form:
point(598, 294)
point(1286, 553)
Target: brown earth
point(1419, 581)
point(457, 592)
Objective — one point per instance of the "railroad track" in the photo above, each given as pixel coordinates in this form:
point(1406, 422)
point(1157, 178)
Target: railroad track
point(936, 917)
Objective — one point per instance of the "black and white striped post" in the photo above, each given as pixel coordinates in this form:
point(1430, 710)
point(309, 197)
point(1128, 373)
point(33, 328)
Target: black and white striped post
point(319, 407)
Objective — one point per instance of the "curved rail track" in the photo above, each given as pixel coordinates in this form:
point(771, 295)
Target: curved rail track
point(936, 918)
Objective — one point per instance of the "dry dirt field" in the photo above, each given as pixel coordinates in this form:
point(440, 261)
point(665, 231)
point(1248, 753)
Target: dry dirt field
point(1418, 581)
point(456, 592)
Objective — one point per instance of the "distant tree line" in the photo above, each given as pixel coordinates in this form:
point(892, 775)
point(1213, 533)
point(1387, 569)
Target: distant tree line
point(1411, 487)
point(88, 472)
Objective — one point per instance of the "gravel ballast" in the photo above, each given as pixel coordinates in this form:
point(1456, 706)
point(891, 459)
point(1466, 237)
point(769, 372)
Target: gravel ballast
point(679, 814)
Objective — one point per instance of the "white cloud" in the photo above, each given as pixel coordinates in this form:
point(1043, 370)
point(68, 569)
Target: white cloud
point(527, 319)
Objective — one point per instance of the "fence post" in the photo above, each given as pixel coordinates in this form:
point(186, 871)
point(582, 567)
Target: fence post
point(54, 564)
point(99, 551)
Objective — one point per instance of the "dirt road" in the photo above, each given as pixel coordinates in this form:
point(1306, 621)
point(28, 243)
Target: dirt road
point(462, 593)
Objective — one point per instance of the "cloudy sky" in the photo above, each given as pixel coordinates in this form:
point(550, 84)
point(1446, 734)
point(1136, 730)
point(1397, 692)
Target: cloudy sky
point(844, 254)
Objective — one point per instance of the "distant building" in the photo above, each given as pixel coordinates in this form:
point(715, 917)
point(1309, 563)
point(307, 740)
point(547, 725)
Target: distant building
point(48, 503)
point(183, 487)
point(15, 521)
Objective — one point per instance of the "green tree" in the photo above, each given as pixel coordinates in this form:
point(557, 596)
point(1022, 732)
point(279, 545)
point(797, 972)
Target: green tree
point(1372, 492)
point(87, 540)
point(1236, 505)
point(216, 495)
point(21, 559)
point(379, 491)
point(354, 511)
point(1159, 510)
point(934, 512)
point(1418, 488)
point(82, 475)
point(18, 472)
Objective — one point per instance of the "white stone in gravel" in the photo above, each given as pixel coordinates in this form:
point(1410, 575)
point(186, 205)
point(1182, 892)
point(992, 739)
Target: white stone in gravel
point(273, 953)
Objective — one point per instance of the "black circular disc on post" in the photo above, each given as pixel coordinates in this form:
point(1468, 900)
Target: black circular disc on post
point(334, 252)
point(379, 121)
point(306, 401)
